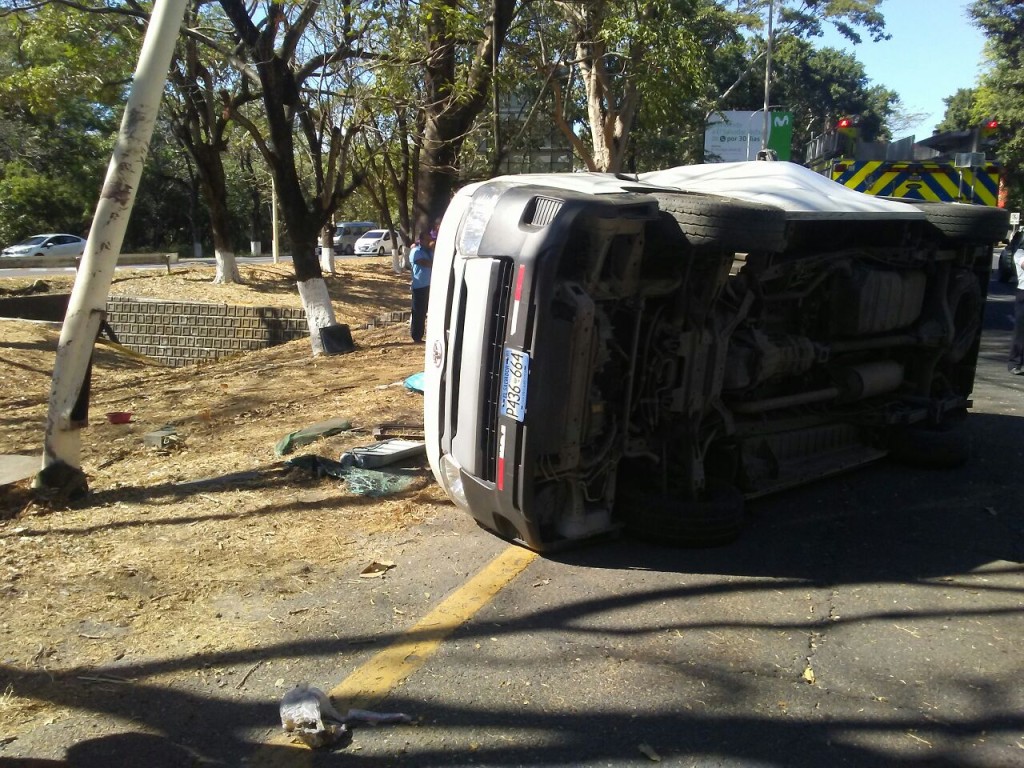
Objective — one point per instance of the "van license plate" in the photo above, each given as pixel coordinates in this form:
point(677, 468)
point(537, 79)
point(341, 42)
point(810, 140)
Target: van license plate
point(513, 383)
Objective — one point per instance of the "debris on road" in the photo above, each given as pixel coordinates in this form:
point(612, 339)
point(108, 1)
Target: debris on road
point(14, 468)
point(165, 437)
point(318, 466)
point(389, 451)
point(361, 482)
point(374, 483)
point(376, 569)
point(408, 431)
point(311, 434)
point(308, 713)
point(649, 753)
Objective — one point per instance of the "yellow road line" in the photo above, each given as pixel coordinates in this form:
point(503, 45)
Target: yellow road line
point(371, 682)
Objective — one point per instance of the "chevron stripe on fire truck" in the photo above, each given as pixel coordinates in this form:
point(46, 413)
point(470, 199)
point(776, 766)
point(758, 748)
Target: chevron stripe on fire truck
point(921, 181)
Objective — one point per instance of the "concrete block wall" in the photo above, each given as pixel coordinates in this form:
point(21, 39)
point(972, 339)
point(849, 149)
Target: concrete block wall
point(182, 333)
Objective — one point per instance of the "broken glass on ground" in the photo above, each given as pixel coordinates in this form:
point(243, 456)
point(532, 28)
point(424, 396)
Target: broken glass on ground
point(361, 482)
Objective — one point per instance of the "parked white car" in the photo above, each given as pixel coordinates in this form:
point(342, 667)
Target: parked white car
point(346, 234)
point(376, 242)
point(48, 245)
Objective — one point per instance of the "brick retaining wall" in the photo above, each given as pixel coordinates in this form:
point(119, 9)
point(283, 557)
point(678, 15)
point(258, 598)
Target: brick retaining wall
point(181, 333)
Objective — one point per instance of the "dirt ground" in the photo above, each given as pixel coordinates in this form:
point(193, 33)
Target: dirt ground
point(217, 518)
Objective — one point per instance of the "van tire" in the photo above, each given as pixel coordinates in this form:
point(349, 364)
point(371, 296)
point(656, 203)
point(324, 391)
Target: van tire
point(966, 307)
point(943, 447)
point(709, 220)
point(963, 222)
point(714, 521)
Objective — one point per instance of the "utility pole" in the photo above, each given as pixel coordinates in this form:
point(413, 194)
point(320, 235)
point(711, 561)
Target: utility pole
point(768, 78)
point(69, 389)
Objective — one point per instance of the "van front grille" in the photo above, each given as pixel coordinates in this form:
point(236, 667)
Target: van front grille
point(494, 341)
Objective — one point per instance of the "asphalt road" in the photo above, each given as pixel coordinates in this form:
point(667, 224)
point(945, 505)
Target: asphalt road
point(874, 619)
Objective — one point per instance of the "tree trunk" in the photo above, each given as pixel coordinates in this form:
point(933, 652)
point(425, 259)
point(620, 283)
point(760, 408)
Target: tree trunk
point(227, 267)
point(316, 301)
point(610, 110)
point(452, 106)
point(327, 250)
point(213, 182)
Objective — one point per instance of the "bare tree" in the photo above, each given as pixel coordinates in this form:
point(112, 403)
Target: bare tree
point(200, 123)
point(457, 82)
point(280, 68)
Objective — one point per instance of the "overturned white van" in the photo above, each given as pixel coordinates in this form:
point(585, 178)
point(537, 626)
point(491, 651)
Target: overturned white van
point(607, 352)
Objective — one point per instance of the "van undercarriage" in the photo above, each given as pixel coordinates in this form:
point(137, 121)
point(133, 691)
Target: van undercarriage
point(648, 359)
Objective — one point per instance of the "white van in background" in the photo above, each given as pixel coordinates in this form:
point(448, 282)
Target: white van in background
point(347, 232)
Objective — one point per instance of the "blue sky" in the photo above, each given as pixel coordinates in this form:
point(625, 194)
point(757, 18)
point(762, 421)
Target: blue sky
point(934, 50)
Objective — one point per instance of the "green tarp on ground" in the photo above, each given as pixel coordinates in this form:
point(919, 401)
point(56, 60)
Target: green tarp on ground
point(311, 434)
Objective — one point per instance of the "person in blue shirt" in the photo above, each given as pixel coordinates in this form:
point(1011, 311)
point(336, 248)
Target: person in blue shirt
point(421, 258)
point(1015, 362)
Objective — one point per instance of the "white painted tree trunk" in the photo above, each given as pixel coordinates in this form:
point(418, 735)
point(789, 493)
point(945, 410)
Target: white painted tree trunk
point(275, 244)
point(319, 310)
point(327, 252)
point(87, 304)
point(227, 267)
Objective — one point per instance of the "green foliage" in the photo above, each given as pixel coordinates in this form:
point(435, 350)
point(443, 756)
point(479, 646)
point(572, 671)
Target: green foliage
point(1001, 90)
point(31, 203)
point(63, 73)
point(820, 85)
point(58, 60)
point(365, 70)
point(961, 110)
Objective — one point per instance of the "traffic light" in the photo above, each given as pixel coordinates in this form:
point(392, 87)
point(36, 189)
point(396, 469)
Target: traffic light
point(846, 130)
point(988, 134)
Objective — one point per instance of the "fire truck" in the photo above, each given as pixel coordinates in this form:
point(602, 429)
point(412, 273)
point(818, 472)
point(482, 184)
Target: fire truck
point(948, 166)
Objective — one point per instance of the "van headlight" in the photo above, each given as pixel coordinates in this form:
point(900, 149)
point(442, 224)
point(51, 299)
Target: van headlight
point(484, 201)
point(453, 481)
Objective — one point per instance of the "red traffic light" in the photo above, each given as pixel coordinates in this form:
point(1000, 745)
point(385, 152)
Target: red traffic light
point(844, 123)
point(991, 124)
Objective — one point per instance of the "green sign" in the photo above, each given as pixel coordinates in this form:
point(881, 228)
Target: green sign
point(780, 134)
point(735, 136)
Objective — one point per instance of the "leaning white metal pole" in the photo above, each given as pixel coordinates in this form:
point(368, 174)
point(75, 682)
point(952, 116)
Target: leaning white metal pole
point(767, 126)
point(87, 304)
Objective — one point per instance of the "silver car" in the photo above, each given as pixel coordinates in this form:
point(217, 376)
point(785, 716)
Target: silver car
point(48, 245)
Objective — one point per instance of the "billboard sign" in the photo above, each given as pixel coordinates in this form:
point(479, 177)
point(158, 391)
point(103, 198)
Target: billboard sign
point(733, 137)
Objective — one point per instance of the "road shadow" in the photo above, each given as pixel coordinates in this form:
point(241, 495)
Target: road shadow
point(883, 522)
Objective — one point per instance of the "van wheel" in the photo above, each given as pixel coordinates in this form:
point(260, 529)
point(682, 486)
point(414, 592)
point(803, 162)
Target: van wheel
point(966, 307)
point(729, 224)
point(664, 519)
point(965, 222)
point(943, 447)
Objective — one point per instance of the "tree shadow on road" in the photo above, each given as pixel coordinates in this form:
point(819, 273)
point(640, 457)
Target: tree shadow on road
point(884, 522)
